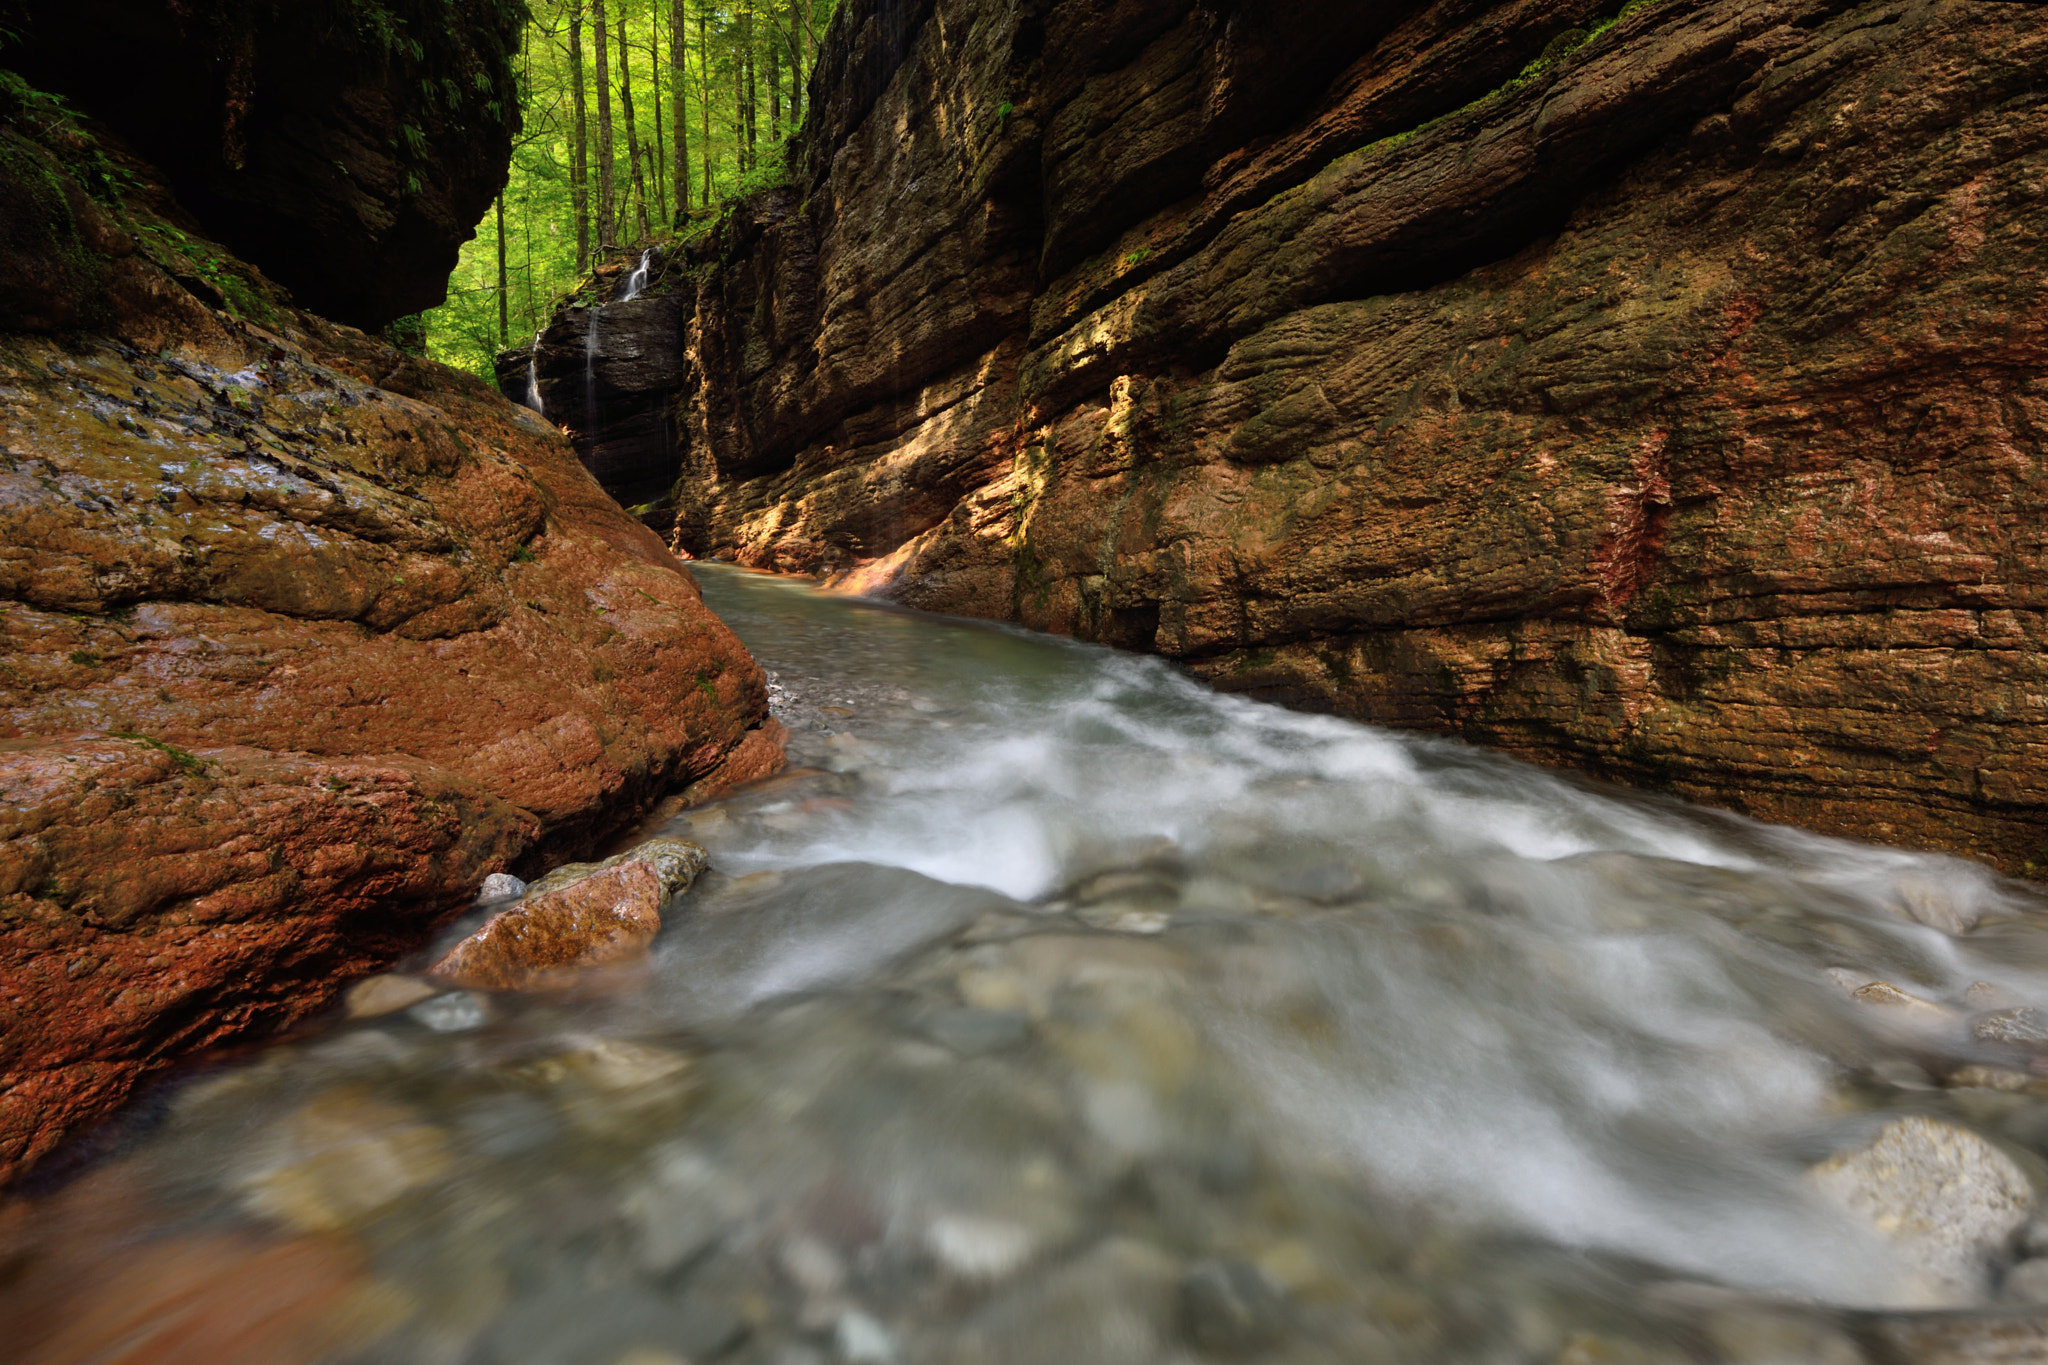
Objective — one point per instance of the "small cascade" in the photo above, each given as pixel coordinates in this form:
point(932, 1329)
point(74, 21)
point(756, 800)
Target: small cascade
point(590, 371)
point(533, 399)
point(636, 282)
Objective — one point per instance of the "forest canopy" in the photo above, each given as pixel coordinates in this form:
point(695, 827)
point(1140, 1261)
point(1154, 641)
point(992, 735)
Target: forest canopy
point(640, 118)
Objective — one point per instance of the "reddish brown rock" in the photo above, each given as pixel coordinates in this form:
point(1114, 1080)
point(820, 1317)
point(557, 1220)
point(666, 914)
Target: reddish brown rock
point(83, 1286)
point(300, 638)
point(574, 918)
point(1659, 397)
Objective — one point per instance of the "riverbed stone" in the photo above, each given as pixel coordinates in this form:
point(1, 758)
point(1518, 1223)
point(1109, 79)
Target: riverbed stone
point(387, 993)
point(1946, 1199)
point(2022, 1026)
point(341, 1157)
point(1230, 1307)
point(594, 916)
point(500, 886)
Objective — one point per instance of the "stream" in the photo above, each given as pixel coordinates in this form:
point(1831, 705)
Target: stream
point(1055, 1010)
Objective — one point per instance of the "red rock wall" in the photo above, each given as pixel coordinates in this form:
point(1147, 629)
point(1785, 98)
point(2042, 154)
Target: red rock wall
point(1660, 397)
point(299, 639)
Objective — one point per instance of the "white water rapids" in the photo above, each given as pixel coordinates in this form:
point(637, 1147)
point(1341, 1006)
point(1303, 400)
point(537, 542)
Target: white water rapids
point(1056, 1009)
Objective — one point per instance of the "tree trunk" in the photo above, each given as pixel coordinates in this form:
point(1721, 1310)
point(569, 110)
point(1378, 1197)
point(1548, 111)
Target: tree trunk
point(774, 83)
point(606, 228)
point(739, 104)
point(504, 290)
point(526, 234)
point(799, 43)
point(658, 162)
point(753, 93)
point(579, 146)
point(679, 115)
point(704, 105)
point(636, 183)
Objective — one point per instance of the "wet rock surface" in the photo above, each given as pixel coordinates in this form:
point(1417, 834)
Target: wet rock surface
point(1648, 392)
point(578, 916)
point(300, 639)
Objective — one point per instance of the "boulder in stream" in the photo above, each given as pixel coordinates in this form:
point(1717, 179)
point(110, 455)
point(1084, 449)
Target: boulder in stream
point(583, 915)
point(1948, 1201)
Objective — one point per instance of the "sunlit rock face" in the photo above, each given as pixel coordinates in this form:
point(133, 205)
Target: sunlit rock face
point(348, 148)
point(300, 639)
point(1657, 397)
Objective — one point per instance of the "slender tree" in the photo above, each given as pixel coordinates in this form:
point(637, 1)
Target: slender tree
point(678, 86)
point(752, 97)
point(657, 161)
point(774, 81)
point(704, 105)
point(636, 182)
point(607, 237)
point(799, 28)
point(579, 154)
point(504, 292)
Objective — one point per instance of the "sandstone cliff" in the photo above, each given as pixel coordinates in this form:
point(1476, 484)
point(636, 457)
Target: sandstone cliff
point(1651, 389)
point(300, 637)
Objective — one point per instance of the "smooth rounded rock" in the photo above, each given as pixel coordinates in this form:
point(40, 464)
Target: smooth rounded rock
point(600, 915)
point(1947, 1200)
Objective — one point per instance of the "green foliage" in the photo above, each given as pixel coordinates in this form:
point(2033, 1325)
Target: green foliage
point(1555, 51)
point(208, 271)
point(540, 241)
point(408, 334)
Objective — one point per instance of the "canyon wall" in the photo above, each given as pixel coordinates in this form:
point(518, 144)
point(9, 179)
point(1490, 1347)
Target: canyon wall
point(1659, 390)
point(300, 638)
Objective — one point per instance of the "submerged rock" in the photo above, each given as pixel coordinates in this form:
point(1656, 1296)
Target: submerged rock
point(577, 916)
point(1948, 1201)
point(342, 1157)
point(387, 993)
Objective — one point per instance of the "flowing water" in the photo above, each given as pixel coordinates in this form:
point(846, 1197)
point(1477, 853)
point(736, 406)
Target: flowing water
point(533, 398)
point(1054, 1010)
point(592, 348)
point(636, 282)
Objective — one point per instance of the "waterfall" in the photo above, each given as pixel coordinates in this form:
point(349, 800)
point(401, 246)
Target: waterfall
point(533, 399)
point(590, 419)
point(637, 281)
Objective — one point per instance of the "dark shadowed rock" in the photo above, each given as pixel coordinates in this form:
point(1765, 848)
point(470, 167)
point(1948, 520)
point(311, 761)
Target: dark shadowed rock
point(310, 138)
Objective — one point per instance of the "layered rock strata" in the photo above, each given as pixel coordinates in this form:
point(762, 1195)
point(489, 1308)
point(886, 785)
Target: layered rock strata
point(1655, 390)
point(300, 638)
